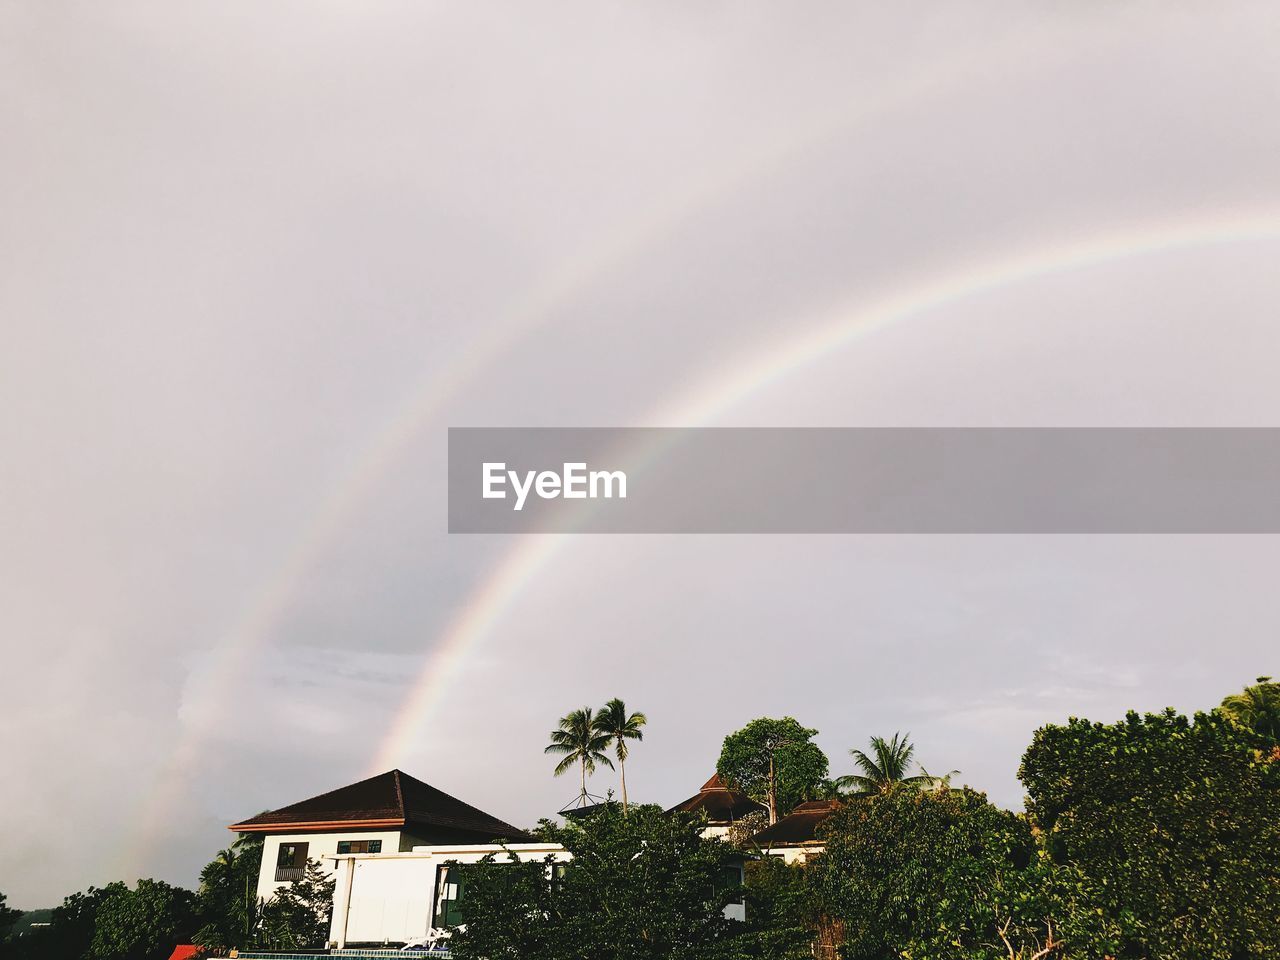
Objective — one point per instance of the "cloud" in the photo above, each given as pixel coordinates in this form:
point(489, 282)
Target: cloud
point(243, 245)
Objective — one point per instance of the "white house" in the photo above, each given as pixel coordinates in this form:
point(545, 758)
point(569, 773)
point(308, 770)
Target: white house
point(399, 849)
point(387, 814)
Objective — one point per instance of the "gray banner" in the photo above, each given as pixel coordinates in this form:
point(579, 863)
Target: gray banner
point(764, 480)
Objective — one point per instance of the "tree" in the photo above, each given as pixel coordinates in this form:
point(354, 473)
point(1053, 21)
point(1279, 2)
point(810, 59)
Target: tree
point(643, 886)
point(890, 766)
point(775, 762)
point(1256, 709)
point(297, 917)
point(70, 930)
point(577, 741)
point(1175, 821)
point(8, 917)
point(945, 874)
point(618, 726)
point(228, 895)
point(144, 923)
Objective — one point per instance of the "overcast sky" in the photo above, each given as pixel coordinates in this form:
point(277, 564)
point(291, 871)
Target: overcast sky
point(258, 256)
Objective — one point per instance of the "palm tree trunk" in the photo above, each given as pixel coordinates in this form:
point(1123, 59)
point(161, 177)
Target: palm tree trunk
point(582, 764)
point(622, 766)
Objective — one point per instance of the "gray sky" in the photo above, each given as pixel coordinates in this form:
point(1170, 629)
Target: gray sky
point(259, 256)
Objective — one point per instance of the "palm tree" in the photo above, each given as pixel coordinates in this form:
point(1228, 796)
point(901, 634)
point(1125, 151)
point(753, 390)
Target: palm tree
point(578, 741)
point(618, 726)
point(887, 768)
point(1256, 708)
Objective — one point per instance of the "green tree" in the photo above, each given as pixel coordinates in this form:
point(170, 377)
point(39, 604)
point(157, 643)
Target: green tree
point(1176, 821)
point(8, 917)
point(144, 923)
point(775, 762)
point(297, 917)
point(578, 742)
point(641, 887)
point(889, 764)
point(782, 909)
point(937, 875)
point(619, 726)
point(1256, 709)
point(70, 930)
point(228, 895)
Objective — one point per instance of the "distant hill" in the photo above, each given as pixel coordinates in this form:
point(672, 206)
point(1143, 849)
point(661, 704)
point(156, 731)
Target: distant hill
point(25, 921)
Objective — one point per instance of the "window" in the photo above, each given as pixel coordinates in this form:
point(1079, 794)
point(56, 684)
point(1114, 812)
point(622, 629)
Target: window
point(291, 862)
point(359, 846)
point(730, 880)
point(450, 888)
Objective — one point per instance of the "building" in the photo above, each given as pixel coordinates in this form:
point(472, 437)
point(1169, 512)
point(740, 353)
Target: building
point(391, 813)
point(399, 849)
point(723, 807)
point(795, 837)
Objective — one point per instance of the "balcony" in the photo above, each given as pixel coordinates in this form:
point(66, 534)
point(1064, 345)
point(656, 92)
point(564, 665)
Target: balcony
point(289, 874)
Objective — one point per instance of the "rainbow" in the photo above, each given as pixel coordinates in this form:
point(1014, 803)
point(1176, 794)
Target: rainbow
point(207, 691)
point(841, 327)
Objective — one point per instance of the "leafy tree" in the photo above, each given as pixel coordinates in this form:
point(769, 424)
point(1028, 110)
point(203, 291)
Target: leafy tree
point(8, 917)
point(298, 916)
point(1256, 709)
point(579, 742)
point(945, 874)
point(619, 726)
point(890, 765)
point(228, 895)
point(775, 762)
point(782, 908)
point(144, 923)
point(641, 887)
point(70, 930)
point(1175, 821)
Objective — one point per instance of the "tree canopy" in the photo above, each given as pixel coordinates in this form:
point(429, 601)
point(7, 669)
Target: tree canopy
point(773, 761)
point(1256, 709)
point(945, 874)
point(644, 886)
point(143, 923)
point(1175, 821)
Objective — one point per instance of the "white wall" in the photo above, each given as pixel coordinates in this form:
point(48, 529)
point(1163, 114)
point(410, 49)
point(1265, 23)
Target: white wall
point(383, 898)
point(389, 898)
point(321, 846)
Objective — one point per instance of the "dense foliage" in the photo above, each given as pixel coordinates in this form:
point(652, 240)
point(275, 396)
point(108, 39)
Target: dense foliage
point(297, 917)
point(775, 762)
point(228, 896)
point(945, 874)
point(643, 886)
point(8, 917)
point(143, 923)
point(1176, 821)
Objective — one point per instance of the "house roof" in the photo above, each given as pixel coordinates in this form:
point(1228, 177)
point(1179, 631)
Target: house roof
point(800, 825)
point(720, 804)
point(391, 799)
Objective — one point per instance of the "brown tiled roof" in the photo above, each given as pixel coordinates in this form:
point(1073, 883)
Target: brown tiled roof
point(720, 804)
point(391, 799)
point(800, 825)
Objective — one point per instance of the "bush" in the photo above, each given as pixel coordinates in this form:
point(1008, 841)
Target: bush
point(1175, 822)
point(945, 874)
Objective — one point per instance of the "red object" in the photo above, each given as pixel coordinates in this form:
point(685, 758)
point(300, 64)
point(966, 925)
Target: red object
point(184, 951)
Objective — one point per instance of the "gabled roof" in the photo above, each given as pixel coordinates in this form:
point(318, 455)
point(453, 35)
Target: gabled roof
point(720, 804)
point(391, 799)
point(800, 825)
